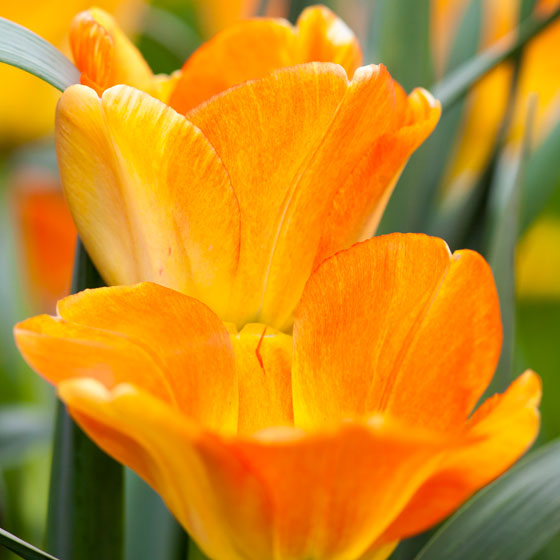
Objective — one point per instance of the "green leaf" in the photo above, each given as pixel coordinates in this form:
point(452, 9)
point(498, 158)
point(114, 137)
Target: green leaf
point(26, 50)
point(21, 427)
point(85, 516)
point(412, 205)
point(21, 548)
point(543, 177)
point(410, 60)
point(512, 519)
point(504, 210)
point(151, 531)
point(453, 87)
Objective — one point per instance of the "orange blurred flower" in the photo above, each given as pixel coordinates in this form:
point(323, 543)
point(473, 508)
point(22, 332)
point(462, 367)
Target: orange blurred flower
point(364, 438)
point(236, 202)
point(47, 236)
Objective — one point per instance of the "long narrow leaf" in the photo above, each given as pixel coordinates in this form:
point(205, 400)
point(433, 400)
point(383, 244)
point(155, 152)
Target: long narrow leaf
point(510, 520)
point(26, 50)
point(85, 517)
point(505, 213)
point(454, 86)
point(21, 548)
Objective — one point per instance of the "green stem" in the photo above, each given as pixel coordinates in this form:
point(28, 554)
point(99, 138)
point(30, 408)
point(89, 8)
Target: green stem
point(85, 516)
point(454, 86)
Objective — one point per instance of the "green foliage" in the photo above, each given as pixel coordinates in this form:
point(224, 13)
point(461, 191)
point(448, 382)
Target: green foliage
point(26, 50)
point(512, 519)
point(21, 548)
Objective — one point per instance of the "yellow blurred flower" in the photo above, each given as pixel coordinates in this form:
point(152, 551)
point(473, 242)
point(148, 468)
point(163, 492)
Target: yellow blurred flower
point(361, 439)
point(538, 260)
point(27, 104)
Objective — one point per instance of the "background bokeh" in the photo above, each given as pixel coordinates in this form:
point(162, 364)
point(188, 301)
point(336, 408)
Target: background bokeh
point(488, 179)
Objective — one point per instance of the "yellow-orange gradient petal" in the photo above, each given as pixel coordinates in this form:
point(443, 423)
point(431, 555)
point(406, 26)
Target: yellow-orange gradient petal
point(282, 494)
point(423, 327)
point(251, 49)
point(263, 358)
point(151, 199)
point(103, 334)
point(106, 57)
point(501, 430)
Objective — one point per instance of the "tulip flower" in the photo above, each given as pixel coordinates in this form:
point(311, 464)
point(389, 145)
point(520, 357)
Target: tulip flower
point(236, 202)
point(46, 234)
point(335, 443)
point(27, 104)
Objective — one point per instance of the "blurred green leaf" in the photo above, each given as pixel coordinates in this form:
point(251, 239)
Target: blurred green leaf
point(453, 87)
point(21, 548)
point(511, 519)
point(504, 211)
point(26, 50)
point(21, 427)
point(151, 531)
point(411, 207)
point(543, 177)
point(409, 61)
point(85, 517)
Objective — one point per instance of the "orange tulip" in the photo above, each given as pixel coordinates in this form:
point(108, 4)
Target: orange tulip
point(47, 236)
point(363, 438)
point(236, 202)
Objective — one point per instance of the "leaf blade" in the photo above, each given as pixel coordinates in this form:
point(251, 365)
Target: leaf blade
point(512, 519)
point(24, 49)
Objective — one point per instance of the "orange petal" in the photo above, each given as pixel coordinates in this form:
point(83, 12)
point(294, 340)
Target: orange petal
point(161, 445)
point(253, 48)
point(289, 142)
point(282, 494)
point(423, 328)
point(501, 430)
point(329, 494)
point(104, 55)
point(263, 358)
point(324, 37)
point(103, 334)
point(360, 202)
point(151, 199)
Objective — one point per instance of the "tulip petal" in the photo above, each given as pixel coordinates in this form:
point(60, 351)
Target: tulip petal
point(324, 37)
point(162, 446)
point(360, 202)
point(281, 494)
point(424, 328)
point(289, 142)
point(253, 48)
point(103, 334)
point(330, 494)
point(263, 358)
point(104, 55)
point(501, 430)
point(151, 199)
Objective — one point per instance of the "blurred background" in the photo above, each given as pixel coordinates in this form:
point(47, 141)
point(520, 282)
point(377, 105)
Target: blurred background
point(488, 179)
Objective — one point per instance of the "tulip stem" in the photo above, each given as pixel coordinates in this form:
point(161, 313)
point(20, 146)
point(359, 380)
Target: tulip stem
point(454, 86)
point(85, 515)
